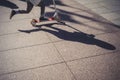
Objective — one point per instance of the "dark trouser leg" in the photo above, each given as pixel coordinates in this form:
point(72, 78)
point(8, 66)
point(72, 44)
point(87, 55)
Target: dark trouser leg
point(42, 5)
point(29, 8)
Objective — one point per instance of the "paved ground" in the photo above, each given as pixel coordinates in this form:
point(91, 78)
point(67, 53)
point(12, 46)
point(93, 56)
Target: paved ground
point(109, 9)
point(86, 48)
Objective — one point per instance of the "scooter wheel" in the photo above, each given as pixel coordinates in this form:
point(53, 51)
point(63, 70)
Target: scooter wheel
point(33, 22)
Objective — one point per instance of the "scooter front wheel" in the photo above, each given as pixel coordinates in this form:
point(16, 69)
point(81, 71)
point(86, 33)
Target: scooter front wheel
point(33, 22)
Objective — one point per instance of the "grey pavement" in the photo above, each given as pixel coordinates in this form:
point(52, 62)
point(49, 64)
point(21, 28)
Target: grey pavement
point(109, 9)
point(87, 47)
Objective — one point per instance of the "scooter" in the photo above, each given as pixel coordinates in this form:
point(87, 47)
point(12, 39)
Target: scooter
point(54, 18)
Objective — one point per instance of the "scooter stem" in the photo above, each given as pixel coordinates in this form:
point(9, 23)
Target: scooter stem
point(54, 5)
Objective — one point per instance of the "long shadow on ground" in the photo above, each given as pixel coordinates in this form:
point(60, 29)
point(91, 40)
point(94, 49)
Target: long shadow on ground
point(8, 4)
point(74, 36)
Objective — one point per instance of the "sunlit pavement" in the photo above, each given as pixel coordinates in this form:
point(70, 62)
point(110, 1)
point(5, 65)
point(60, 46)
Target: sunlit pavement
point(87, 47)
point(109, 9)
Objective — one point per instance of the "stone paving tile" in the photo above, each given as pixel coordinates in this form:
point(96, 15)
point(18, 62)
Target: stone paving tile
point(106, 8)
point(27, 58)
point(6, 17)
point(53, 72)
point(4, 10)
point(78, 7)
point(104, 67)
point(101, 26)
point(72, 8)
point(111, 16)
point(23, 16)
point(78, 45)
point(72, 4)
point(118, 33)
point(13, 26)
point(114, 8)
point(118, 12)
point(22, 39)
point(88, 1)
point(94, 5)
point(116, 21)
point(110, 2)
point(102, 10)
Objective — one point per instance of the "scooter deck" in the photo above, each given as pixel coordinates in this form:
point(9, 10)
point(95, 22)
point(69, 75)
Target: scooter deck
point(34, 22)
point(46, 22)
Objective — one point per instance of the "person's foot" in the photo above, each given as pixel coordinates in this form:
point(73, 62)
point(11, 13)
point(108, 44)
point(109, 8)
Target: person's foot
point(12, 14)
point(43, 19)
point(46, 19)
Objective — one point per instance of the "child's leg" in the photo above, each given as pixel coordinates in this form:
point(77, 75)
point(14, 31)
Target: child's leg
point(29, 8)
point(42, 5)
point(42, 17)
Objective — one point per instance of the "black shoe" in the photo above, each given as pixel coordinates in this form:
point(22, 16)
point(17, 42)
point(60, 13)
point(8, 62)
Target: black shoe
point(43, 19)
point(12, 14)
